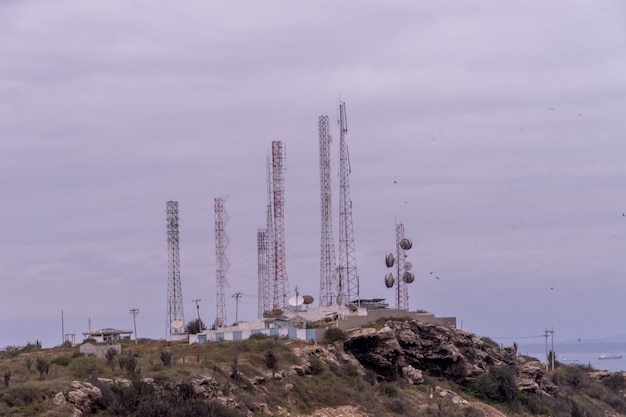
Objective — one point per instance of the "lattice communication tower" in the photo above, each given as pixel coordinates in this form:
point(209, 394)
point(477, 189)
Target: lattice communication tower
point(328, 264)
point(348, 288)
point(175, 316)
point(281, 283)
point(265, 247)
point(222, 264)
point(402, 291)
point(262, 243)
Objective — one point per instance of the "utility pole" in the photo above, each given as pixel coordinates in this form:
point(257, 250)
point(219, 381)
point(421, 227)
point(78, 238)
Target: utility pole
point(551, 331)
point(237, 296)
point(197, 308)
point(545, 334)
point(134, 311)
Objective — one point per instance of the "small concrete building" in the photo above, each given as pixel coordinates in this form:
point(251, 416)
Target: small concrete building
point(99, 351)
point(107, 335)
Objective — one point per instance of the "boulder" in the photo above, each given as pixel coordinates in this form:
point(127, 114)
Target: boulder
point(59, 399)
point(83, 395)
point(414, 376)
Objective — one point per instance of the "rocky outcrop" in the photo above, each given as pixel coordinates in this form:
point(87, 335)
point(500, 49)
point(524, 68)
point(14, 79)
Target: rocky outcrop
point(206, 387)
point(408, 348)
point(377, 350)
point(440, 351)
point(82, 396)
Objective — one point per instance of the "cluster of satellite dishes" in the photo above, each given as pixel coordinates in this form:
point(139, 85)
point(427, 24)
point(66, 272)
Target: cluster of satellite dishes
point(295, 301)
point(407, 275)
point(298, 300)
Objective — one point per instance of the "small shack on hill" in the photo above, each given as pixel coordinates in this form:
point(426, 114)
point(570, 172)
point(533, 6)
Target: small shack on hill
point(99, 351)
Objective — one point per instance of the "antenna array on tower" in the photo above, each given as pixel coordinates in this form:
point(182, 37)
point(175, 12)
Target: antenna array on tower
point(402, 294)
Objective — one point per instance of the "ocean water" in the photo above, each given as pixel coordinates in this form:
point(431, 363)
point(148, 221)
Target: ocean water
point(581, 353)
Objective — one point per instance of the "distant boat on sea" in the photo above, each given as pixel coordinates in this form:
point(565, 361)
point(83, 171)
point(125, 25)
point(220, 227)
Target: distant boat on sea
point(605, 356)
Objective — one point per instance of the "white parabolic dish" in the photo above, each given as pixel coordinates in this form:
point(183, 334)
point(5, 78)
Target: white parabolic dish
point(296, 301)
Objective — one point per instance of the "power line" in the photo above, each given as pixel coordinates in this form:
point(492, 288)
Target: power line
point(517, 337)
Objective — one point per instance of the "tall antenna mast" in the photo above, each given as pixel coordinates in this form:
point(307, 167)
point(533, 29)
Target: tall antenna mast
point(281, 284)
point(348, 288)
point(328, 265)
point(221, 242)
point(175, 315)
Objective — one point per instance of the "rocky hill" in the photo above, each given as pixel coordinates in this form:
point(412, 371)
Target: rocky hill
point(396, 367)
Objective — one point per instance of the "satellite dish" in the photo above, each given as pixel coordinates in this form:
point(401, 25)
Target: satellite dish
point(389, 260)
point(307, 299)
point(406, 244)
point(389, 280)
point(296, 301)
point(408, 266)
point(408, 277)
point(176, 324)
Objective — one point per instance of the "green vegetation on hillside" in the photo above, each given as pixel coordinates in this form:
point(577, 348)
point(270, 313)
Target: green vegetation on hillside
point(265, 373)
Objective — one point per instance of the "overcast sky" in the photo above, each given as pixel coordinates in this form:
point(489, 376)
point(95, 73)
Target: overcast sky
point(493, 130)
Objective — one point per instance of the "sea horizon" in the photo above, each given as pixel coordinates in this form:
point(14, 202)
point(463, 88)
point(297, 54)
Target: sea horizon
point(586, 353)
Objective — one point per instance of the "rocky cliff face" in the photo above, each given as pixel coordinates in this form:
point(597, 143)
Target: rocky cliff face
point(401, 348)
